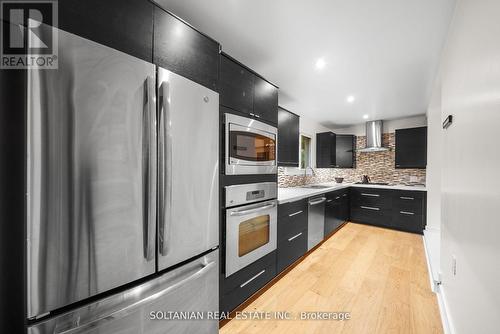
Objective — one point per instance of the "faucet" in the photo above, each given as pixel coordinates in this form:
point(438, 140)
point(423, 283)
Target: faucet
point(312, 170)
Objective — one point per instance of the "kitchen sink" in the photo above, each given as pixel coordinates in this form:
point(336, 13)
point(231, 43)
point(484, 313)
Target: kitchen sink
point(316, 186)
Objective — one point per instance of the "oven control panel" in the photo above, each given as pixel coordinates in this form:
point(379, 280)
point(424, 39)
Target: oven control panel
point(250, 193)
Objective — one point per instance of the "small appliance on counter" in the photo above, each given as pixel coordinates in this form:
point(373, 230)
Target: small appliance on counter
point(339, 179)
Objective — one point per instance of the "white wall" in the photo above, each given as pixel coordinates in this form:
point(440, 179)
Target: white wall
point(434, 159)
point(432, 233)
point(470, 231)
point(389, 125)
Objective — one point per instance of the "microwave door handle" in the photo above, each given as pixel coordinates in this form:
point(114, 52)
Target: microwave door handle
point(249, 211)
point(165, 165)
point(149, 169)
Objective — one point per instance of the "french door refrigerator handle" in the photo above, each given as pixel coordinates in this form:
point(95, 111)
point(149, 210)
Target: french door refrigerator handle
point(165, 166)
point(149, 169)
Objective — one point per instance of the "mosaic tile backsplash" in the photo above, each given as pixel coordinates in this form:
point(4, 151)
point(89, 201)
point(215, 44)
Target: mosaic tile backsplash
point(379, 166)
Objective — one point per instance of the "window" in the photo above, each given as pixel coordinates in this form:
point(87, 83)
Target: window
point(305, 152)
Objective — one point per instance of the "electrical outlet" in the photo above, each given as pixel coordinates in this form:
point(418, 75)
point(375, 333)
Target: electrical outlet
point(453, 265)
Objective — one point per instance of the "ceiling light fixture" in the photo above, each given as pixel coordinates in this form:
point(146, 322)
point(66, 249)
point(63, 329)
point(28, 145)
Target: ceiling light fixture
point(365, 116)
point(350, 99)
point(320, 63)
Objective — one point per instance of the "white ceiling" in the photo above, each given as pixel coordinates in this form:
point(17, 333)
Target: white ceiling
point(384, 52)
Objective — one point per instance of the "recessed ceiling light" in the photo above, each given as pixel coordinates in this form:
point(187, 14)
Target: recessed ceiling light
point(350, 99)
point(320, 63)
point(365, 116)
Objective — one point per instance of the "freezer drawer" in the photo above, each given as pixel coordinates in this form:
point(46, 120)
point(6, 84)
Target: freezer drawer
point(193, 287)
point(91, 166)
point(188, 169)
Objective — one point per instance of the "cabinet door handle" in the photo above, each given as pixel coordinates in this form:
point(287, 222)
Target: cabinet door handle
point(345, 195)
point(406, 213)
point(409, 198)
point(370, 195)
point(328, 201)
point(295, 236)
point(251, 279)
point(258, 116)
point(295, 213)
point(370, 208)
point(337, 197)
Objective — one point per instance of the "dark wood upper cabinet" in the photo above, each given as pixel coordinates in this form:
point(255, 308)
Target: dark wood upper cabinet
point(181, 49)
point(411, 148)
point(236, 86)
point(247, 93)
point(265, 103)
point(288, 138)
point(345, 151)
point(125, 25)
point(325, 150)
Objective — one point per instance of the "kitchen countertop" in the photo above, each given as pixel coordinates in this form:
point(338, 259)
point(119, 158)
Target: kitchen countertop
point(291, 194)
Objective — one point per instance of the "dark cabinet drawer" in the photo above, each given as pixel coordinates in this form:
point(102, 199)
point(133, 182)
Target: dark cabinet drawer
point(265, 104)
point(293, 223)
point(236, 86)
point(241, 285)
point(104, 22)
point(291, 249)
point(406, 221)
point(369, 215)
point(181, 49)
point(292, 208)
point(410, 201)
point(370, 197)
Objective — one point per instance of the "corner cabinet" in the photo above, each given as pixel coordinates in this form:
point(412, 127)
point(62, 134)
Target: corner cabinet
point(245, 92)
point(181, 49)
point(345, 156)
point(335, 151)
point(325, 150)
point(288, 138)
point(411, 148)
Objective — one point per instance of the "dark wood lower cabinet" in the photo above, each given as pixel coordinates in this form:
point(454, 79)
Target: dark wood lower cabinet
point(291, 249)
point(241, 285)
point(397, 209)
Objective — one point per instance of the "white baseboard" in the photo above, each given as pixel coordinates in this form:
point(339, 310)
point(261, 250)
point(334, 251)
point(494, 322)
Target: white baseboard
point(438, 290)
point(443, 310)
point(432, 280)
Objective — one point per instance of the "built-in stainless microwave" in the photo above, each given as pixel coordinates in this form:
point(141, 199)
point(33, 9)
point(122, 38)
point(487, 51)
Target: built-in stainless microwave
point(250, 146)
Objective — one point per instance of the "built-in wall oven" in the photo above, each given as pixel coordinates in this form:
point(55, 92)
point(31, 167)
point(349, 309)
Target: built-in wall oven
point(250, 146)
point(251, 223)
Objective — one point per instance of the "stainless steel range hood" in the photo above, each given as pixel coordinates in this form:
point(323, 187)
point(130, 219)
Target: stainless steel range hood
point(373, 137)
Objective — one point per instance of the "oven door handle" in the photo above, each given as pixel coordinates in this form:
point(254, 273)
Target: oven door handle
point(246, 212)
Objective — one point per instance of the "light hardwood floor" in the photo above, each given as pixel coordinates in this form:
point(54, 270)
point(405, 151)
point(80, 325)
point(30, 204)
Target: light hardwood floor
point(378, 275)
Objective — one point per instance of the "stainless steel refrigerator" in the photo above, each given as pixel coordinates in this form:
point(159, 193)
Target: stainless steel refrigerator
point(122, 179)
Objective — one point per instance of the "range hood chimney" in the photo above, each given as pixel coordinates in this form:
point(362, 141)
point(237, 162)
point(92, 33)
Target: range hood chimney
point(374, 137)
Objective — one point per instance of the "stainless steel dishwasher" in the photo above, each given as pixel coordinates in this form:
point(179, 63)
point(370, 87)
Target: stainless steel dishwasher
point(316, 221)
